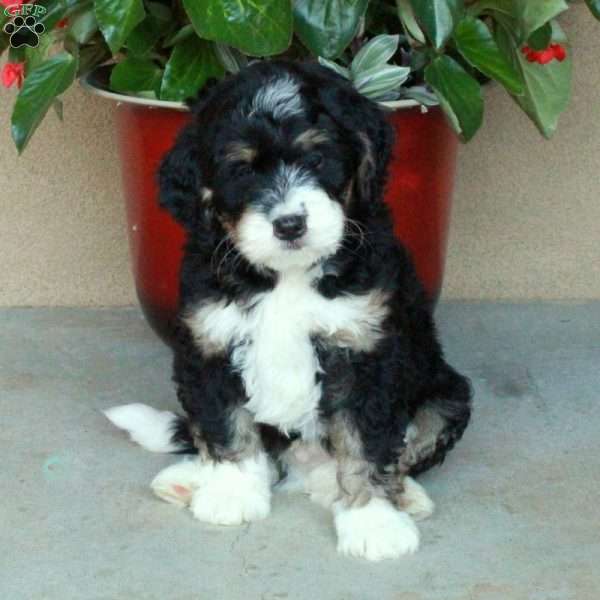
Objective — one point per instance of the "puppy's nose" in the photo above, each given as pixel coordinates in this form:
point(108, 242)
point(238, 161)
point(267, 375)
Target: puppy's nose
point(289, 227)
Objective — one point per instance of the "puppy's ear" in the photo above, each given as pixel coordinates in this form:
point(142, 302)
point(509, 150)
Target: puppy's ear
point(182, 174)
point(181, 180)
point(365, 126)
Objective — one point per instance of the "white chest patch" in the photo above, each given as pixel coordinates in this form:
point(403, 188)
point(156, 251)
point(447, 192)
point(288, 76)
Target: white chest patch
point(273, 351)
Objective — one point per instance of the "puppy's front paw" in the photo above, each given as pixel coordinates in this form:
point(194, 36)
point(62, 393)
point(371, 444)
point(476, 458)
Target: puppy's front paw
point(176, 483)
point(233, 493)
point(375, 531)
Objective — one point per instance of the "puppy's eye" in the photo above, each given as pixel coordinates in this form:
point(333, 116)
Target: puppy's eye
point(242, 169)
point(313, 160)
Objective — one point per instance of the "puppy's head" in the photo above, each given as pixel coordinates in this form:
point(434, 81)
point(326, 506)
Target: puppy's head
point(278, 158)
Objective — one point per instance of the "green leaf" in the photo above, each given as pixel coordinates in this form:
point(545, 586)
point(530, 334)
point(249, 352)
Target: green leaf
point(92, 55)
point(421, 94)
point(41, 86)
point(144, 37)
point(62, 8)
point(34, 57)
point(192, 62)
point(531, 15)
point(83, 26)
point(326, 27)
point(135, 74)
point(459, 94)
point(380, 80)
point(179, 35)
point(258, 28)
point(540, 38)
point(407, 16)
point(17, 54)
point(375, 52)
point(231, 59)
point(502, 6)
point(159, 11)
point(594, 6)
point(475, 42)
point(437, 18)
point(117, 19)
point(335, 67)
point(547, 87)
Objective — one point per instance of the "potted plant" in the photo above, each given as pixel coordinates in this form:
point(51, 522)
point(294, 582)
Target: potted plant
point(424, 60)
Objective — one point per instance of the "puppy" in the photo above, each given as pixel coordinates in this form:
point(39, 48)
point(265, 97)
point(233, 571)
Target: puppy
point(306, 350)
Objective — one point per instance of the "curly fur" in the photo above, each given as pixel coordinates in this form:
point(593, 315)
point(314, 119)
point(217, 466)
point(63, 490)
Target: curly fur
point(388, 407)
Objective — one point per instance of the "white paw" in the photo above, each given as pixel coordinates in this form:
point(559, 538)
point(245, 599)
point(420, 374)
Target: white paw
point(233, 493)
point(375, 531)
point(177, 483)
point(415, 501)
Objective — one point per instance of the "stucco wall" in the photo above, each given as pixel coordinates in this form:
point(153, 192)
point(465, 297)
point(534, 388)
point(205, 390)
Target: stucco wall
point(526, 220)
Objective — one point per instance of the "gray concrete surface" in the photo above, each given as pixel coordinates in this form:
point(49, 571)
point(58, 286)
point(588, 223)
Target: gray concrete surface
point(517, 515)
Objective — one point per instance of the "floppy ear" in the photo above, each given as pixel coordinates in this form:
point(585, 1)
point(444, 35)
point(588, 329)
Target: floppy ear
point(365, 125)
point(182, 182)
point(180, 179)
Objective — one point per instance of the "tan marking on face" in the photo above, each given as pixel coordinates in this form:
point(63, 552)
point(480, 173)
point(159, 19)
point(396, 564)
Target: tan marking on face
point(311, 137)
point(240, 152)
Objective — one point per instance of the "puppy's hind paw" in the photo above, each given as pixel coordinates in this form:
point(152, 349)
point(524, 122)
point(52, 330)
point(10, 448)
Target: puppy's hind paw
point(415, 501)
point(375, 531)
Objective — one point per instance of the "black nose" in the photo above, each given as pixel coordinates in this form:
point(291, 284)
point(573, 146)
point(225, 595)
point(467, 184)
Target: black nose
point(289, 227)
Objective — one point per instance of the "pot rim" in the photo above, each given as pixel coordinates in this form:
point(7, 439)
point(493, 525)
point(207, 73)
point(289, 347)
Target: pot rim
point(96, 82)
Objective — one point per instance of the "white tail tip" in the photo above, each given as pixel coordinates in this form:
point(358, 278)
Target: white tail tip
point(150, 428)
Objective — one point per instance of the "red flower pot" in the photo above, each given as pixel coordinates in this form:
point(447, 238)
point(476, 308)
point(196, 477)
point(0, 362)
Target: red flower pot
point(419, 191)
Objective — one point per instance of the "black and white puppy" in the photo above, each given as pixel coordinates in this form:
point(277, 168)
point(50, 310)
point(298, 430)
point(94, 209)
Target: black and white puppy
point(307, 347)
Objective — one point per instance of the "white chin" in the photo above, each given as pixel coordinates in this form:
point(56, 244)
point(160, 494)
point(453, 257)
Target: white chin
point(292, 258)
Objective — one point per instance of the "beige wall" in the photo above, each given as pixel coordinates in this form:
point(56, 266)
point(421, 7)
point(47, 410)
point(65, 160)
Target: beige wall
point(526, 221)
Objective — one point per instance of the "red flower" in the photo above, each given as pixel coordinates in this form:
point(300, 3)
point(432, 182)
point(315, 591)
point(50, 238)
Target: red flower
point(559, 52)
point(543, 57)
point(62, 23)
point(13, 73)
point(10, 3)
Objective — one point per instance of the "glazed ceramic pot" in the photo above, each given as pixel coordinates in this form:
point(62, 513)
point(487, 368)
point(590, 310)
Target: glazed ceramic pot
point(419, 193)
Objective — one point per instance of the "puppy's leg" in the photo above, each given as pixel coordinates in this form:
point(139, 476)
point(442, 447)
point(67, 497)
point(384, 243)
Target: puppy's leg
point(367, 522)
point(224, 485)
point(439, 421)
point(233, 492)
point(230, 481)
point(312, 471)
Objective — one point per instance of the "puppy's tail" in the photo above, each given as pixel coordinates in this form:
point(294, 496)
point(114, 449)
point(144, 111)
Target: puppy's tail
point(154, 430)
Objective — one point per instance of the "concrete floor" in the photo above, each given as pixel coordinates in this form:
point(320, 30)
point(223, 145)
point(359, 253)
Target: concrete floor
point(518, 513)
